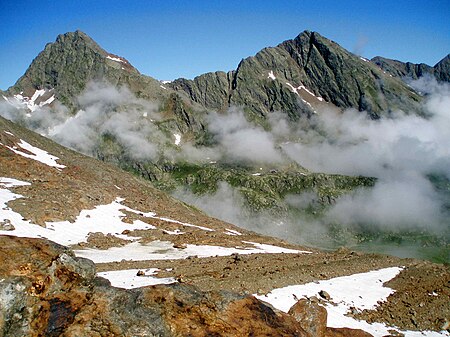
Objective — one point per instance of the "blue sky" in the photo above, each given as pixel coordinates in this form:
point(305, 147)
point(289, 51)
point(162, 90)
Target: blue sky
point(169, 39)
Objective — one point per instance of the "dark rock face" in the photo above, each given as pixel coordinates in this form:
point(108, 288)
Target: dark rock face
point(442, 69)
point(322, 66)
point(210, 90)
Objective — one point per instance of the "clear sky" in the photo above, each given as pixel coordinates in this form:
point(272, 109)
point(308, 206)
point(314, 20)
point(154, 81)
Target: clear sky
point(169, 39)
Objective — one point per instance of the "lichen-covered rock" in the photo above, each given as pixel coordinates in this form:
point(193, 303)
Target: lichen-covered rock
point(311, 315)
point(45, 290)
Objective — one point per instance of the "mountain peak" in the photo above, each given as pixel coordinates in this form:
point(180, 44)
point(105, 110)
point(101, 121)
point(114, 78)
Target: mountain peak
point(77, 37)
point(68, 64)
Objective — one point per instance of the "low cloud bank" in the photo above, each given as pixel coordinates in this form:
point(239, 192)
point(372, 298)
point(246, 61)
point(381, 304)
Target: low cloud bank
point(105, 110)
point(401, 151)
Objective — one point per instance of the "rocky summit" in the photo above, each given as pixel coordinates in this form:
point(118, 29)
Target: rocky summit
point(90, 249)
point(309, 66)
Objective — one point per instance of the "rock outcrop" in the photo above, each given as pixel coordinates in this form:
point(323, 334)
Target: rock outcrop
point(45, 290)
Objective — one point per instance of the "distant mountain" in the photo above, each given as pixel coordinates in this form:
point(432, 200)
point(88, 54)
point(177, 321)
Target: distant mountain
point(292, 77)
point(309, 67)
point(61, 72)
point(74, 59)
point(441, 71)
point(221, 132)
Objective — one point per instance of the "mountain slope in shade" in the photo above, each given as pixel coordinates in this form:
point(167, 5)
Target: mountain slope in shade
point(442, 69)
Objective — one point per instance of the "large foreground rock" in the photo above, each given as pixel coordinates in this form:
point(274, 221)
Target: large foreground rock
point(45, 290)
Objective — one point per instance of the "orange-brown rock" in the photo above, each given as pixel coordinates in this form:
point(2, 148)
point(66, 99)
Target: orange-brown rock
point(311, 316)
point(45, 290)
point(346, 332)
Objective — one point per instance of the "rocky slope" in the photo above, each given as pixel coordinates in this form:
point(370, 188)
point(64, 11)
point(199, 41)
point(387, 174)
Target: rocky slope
point(125, 225)
point(45, 290)
point(163, 131)
point(64, 71)
point(309, 67)
point(400, 69)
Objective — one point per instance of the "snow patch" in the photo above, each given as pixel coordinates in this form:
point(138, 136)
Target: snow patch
point(10, 182)
point(232, 232)
point(37, 154)
point(20, 101)
point(364, 59)
point(117, 59)
point(360, 291)
point(106, 219)
point(184, 224)
point(37, 94)
point(163, 87)
point(48, 101)
point(175, 232)
point(302, 87)
point(128, 279)
point(271, 75)
point(166, 82)
point(164, 250)
point(177, 138)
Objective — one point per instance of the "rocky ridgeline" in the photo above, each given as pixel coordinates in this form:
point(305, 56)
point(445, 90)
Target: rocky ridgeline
point(441, 71)
point(45, 290)
point(322, 66)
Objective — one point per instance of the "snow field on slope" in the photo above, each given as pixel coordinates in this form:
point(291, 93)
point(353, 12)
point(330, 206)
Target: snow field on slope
point(128, 279)
point(164, 250)
point(36, 154)
point(360, 291)
point(107, 219)
point(20, 101)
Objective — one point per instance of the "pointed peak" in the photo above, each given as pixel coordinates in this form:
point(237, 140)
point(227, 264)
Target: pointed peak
point(445, 59)
point(77, 37)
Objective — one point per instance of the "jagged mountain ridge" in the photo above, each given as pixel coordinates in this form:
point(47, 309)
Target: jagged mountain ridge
point(260, 86)
point(441, 70)
point(272, 79)
point(66, 66)
point(311, 61)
